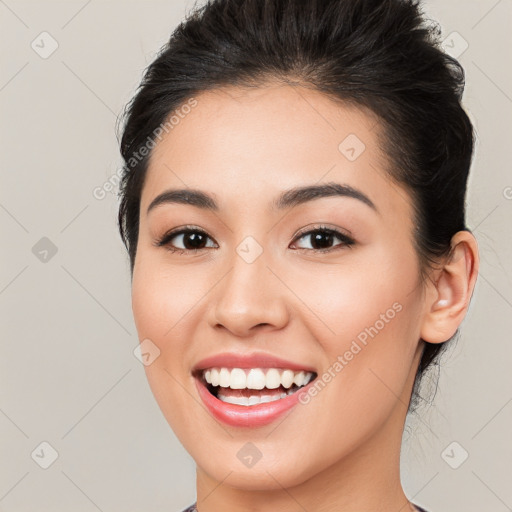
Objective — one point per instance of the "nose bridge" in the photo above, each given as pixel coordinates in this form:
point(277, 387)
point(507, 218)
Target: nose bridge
point(250, 294)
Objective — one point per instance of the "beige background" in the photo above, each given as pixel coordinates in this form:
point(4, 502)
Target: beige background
point(68, 373)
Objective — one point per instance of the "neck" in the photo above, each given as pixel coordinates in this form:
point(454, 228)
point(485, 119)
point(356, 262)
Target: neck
point(366, 479)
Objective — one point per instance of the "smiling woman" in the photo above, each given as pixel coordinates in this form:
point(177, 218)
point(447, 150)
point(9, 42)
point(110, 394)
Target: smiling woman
point(297, 241)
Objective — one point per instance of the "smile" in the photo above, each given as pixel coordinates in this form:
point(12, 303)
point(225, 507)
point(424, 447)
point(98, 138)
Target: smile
point(250, 390)
point(247, 387)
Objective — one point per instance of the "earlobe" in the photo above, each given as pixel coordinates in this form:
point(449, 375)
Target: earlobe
point(448, 297)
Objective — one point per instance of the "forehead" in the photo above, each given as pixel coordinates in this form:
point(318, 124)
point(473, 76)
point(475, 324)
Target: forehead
point(245, 145)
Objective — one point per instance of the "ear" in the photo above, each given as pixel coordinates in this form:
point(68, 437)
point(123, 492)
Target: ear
point(448, 296)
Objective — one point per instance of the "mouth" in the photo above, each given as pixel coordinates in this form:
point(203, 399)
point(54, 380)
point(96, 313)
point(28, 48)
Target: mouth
point(248, 387)
point(250, 390)
point(250, 396)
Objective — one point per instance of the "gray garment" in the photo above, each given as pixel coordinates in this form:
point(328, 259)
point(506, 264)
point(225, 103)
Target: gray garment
point(193, 508)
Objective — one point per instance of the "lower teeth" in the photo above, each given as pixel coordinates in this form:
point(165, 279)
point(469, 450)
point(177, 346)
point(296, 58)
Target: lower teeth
point(254, 399)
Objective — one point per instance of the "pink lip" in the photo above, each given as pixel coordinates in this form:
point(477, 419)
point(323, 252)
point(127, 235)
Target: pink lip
point(252, 415)
point(255, 360)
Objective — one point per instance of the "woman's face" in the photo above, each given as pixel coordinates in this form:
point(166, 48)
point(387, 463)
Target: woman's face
point(268, 279)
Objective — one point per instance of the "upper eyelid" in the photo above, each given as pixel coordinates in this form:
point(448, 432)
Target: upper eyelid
point(322, 227)
point(302, 232)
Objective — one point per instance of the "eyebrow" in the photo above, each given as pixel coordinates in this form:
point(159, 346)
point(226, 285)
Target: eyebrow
point(289, 198)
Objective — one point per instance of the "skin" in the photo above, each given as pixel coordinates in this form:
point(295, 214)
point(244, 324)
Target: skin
point(244, 147)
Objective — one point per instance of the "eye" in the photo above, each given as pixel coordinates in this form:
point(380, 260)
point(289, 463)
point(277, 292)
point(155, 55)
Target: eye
point(188, 239)
point(323, 237)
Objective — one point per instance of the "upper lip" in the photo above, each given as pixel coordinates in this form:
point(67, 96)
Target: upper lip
point(253, 360)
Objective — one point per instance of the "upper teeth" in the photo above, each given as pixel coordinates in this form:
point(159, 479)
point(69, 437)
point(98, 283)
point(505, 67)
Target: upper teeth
point(255, 378)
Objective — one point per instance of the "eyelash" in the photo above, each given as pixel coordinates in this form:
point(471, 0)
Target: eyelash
point(346, 241)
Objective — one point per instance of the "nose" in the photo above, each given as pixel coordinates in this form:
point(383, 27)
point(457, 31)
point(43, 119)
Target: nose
point(248, 298)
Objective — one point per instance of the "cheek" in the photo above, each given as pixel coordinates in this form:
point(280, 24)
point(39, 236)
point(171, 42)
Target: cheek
point(160, 311)
point(163, 298)
point(161, 304)
point(365, 288)
point(366, 312)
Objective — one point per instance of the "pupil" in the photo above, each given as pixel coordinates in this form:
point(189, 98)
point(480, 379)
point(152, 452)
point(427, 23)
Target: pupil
point(194, 240)
point(327, 239)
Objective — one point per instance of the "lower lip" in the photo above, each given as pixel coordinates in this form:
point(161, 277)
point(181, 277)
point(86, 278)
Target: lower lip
point(247, 415)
